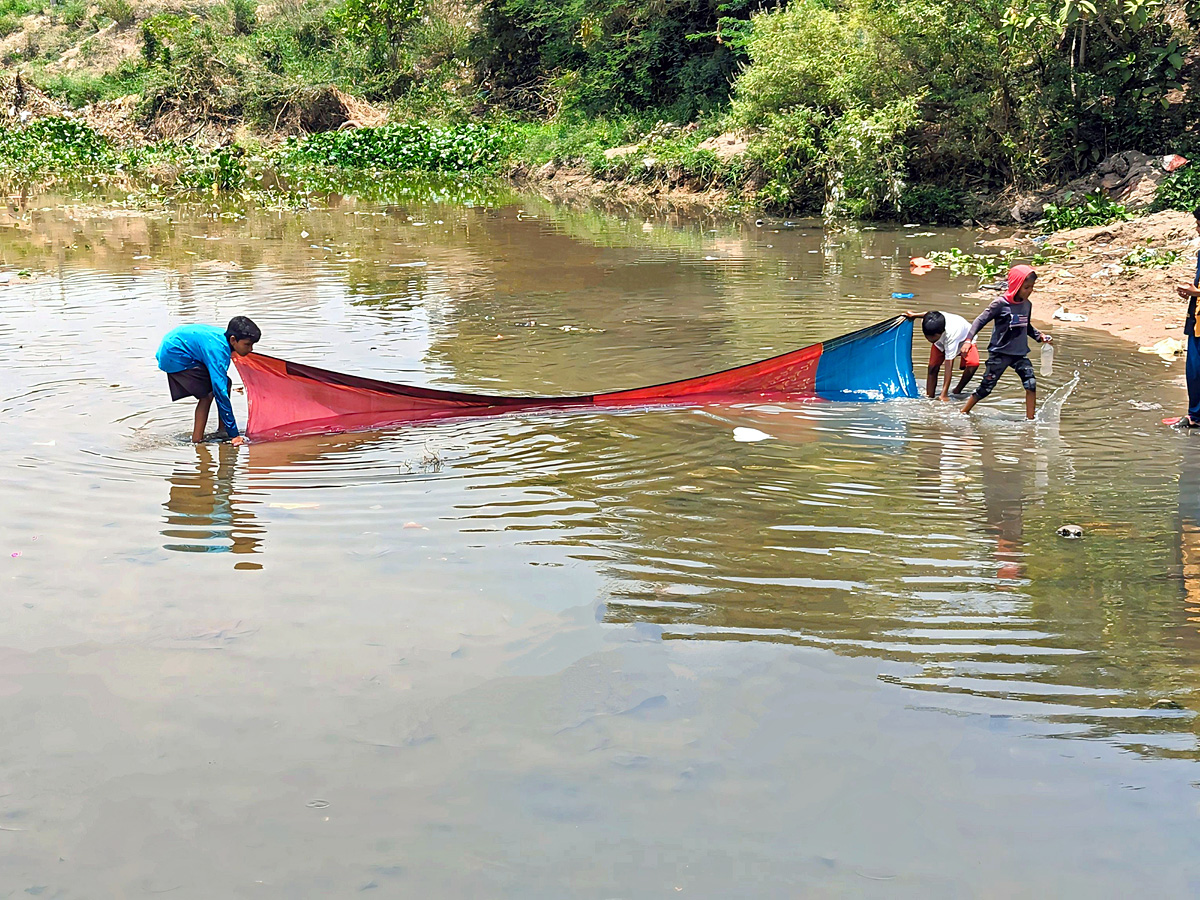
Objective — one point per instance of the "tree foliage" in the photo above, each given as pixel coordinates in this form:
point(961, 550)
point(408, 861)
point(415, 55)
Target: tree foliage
point(611, 55)
point(972, 94)
point(380, 24)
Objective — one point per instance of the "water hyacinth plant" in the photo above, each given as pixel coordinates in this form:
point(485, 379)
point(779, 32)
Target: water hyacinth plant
point(403, 146)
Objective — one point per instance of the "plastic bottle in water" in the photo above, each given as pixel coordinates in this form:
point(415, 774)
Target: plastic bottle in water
point(1047, 359)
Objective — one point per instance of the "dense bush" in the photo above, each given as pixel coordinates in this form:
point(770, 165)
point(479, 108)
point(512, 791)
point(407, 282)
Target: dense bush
point(1181, 190)
point(937, 205)
point(604, 56)
point(243, 15)
point(120, 11)
point(968, 95)
point(788, 148)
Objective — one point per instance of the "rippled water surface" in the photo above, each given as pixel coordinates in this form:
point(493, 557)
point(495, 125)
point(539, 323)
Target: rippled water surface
point(593, 655)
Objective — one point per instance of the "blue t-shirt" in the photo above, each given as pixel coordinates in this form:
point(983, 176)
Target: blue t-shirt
point(202, 346)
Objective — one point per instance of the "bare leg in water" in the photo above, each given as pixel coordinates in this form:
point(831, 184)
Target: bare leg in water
point(1030, 403)
point(201, 421)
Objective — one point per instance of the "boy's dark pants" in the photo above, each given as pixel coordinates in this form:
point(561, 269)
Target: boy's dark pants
point(998, 362)
point(1192, 371)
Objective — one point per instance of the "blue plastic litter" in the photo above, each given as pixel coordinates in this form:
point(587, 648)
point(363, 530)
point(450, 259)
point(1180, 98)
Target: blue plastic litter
point(898, 296)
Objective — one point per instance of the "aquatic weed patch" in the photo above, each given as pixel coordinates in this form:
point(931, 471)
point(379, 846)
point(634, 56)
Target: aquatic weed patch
point(1152, 258)
point(1093, 209)
point(401, 147)
point(982, 265)
point(54, 145)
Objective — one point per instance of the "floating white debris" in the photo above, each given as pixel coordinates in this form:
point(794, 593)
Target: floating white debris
point(409, 265)
point(749, 435)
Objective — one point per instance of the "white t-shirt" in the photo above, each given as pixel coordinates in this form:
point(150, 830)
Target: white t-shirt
point(952, 339)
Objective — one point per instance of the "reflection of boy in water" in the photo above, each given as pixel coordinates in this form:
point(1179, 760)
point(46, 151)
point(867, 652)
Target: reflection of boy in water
point(1009, 346)
point(1189, 536)
point(1190, 292)
point(201, 507)
point(196, 359)
point(1004, 507)
point(948, 334)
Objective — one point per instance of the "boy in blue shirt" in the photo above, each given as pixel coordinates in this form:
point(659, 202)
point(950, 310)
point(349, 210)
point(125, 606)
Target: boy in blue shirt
point(1190, 292)
point(196, 359)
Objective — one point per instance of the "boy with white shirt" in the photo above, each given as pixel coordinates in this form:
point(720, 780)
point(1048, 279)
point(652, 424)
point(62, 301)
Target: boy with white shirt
point(947, 332)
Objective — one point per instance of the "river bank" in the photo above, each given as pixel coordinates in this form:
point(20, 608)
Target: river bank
point(1120, 277)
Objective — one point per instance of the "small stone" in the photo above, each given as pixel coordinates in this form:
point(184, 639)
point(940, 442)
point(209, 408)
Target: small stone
point(1165, 703)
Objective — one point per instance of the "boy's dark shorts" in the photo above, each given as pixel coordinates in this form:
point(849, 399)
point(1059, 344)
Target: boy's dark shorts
point(190, 383)
point(994, 368)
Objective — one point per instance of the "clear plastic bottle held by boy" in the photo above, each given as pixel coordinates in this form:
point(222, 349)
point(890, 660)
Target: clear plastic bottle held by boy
point(1047, 359)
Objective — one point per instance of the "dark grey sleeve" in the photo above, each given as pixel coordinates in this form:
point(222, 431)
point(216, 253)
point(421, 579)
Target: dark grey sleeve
point(984, 317)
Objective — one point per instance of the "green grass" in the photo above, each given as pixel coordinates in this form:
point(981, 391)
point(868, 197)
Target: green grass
point(21, 7)
point(80, 89)
point(664, 152)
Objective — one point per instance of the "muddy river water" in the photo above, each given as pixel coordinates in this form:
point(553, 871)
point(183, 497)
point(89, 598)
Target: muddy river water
point(590, 655)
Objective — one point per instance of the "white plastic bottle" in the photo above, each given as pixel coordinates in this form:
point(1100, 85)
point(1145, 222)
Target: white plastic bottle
point(1047, 359)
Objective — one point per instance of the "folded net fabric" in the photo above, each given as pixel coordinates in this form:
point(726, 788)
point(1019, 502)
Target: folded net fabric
point(288, 399)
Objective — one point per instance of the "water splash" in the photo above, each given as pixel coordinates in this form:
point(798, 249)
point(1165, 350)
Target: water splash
point(1051, 408)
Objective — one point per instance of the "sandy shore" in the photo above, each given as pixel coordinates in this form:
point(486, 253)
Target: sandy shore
point(1095, 277)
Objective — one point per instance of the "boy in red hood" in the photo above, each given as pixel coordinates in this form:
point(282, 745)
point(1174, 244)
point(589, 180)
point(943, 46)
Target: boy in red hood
point(1009, 345)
